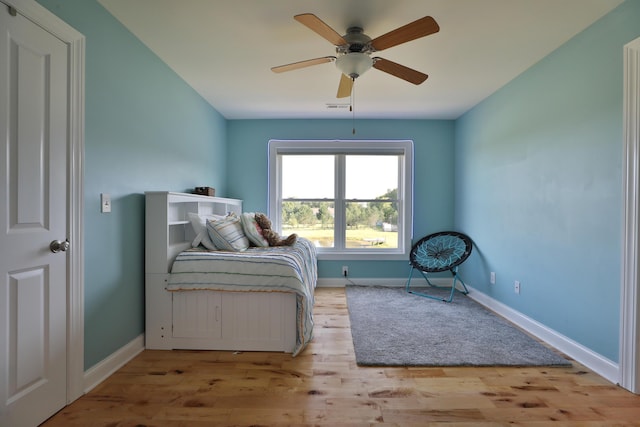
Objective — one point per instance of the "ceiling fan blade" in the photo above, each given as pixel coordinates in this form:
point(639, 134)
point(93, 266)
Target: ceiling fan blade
point(416, 29)
point(302, 64)
point(345, 87)
point(400, 71)
point(316, 24)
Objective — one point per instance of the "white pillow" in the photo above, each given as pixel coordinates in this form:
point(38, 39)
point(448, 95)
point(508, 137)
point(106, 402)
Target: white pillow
point(227, 234)
point(199, 224)
point(253, 230)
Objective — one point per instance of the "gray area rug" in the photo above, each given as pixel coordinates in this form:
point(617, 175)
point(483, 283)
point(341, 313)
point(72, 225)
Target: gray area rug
point(391, 327)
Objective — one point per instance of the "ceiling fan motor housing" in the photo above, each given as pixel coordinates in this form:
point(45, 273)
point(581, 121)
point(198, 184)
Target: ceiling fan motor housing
point(357, 40)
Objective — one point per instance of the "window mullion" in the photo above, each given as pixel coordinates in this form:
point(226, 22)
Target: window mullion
point(340, 218)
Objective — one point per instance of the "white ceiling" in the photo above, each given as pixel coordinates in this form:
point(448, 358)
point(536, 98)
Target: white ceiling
point(225, 49)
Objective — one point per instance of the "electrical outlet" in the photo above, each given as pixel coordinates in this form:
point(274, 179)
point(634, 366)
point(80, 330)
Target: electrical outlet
point(345, 270)
point(492, 278)
point(516, 287)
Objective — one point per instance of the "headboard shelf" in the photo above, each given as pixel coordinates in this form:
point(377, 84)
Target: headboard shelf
point(168, 229)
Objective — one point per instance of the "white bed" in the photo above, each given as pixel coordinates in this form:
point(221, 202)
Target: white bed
point(257, 300)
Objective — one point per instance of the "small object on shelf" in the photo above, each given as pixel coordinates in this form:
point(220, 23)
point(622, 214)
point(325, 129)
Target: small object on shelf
point(205, 191)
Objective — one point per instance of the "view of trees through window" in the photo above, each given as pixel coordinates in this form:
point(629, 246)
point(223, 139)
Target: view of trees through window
point(368, 224)
point(369, 212)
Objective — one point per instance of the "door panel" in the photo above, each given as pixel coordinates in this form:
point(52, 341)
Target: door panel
point(27, 293)
point(33, 196)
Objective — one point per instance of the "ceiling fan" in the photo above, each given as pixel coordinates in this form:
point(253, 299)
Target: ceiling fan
point(354, 50)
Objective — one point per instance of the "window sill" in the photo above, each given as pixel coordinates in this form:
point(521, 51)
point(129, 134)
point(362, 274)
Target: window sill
point(362, 256)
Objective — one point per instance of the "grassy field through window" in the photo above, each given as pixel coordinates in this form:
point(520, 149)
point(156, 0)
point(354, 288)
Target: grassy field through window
point(362, 237)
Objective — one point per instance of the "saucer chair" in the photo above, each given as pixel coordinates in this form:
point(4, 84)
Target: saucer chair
point(437, 252)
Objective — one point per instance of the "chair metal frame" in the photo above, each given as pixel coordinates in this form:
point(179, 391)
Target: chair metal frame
point(438, 252)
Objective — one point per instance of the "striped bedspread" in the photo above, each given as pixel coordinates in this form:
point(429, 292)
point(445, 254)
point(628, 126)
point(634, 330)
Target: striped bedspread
point(272, 269)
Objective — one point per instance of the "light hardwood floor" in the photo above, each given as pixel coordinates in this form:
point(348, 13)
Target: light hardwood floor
point(324, 387)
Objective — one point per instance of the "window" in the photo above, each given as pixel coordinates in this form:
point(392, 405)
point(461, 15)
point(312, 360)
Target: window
point(353, 199)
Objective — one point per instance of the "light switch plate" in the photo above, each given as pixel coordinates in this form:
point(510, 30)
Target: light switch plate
point(105, 203)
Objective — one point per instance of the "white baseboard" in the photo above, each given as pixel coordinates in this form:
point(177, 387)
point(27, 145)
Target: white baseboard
point(592, 360)
point(393, 282)
point(103, 369)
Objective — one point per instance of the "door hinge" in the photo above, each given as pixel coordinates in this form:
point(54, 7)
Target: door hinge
point(12, 10)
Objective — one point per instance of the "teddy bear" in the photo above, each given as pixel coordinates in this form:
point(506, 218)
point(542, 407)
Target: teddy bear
point(273, 237)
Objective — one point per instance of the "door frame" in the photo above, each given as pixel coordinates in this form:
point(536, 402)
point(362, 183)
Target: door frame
point(75, 42)
point(629, 359)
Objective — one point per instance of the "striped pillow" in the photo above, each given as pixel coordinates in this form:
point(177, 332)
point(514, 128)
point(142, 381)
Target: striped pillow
point(227, 234)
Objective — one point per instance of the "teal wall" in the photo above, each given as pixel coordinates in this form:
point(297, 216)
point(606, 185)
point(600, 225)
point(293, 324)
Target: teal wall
point(539, 185)
point(145, 129)
point(533, 174)
point(433, 172)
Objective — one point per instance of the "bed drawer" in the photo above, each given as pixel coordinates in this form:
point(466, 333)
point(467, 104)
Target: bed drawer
point(259, 319)
point(197, 314)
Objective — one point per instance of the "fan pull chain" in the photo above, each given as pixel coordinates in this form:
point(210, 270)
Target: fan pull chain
point(352, 107)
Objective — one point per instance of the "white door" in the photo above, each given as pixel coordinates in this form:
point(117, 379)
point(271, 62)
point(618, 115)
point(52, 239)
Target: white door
point(33, 213)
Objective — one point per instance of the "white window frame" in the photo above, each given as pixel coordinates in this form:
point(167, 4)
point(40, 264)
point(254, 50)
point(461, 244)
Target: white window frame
point(403, 148)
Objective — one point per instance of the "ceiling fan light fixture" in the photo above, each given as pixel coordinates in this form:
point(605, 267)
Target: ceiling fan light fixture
point(354, 64)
